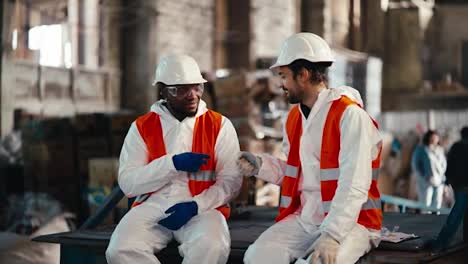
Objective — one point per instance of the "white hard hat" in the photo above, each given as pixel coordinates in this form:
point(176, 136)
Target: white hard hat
point(307, 46)
point(178, 69)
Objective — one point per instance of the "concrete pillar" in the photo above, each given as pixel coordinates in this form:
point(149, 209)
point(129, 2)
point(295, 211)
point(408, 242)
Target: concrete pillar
point(316, 17)
point(2, 16)
point(354, 29)
point(90, 14)
point(238, 39)
point(6, 111)
point(139, 54)
point(232, 43)
point(220, 29)
point(20, 22)
point(402, 62)
point(341, 14)
point(373, 25)
point(266, 15)
point(110, 14)
point(328, 19)
point(73, 29)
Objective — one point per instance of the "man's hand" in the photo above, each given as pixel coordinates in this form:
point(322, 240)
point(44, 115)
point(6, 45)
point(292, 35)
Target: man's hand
point(325, 249)
point(181, 213)
point(248, 164)
point(189, 161)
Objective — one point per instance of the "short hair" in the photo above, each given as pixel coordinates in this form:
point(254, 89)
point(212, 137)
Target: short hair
point(464, 132)
point(427, 136)
point(159, 89)
point(319, 69)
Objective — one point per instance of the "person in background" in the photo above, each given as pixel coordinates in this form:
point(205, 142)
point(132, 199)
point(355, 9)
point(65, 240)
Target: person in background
point(457, 176)
point(429, 164)
point(177, 160)
point(11, 145)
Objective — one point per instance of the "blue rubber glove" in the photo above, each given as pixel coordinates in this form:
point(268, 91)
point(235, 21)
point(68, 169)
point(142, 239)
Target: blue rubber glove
point(181, 213)
point(189, 161)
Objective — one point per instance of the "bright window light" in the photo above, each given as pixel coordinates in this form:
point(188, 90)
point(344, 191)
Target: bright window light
point(48, 40)
point(14, 39)
point(68, 55)
point(34, 38)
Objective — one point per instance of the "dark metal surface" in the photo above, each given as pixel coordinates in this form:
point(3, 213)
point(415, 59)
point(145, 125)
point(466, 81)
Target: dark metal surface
point(88, 243)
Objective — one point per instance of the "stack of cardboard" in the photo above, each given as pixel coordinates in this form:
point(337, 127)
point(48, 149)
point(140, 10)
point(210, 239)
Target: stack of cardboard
point(99, 136)
point(255, 105)
point(57, 154)
point(103, 173)
point(49, 167)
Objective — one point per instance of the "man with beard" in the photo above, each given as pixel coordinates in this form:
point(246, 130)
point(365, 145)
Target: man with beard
point(177, 161)
point(329, 206)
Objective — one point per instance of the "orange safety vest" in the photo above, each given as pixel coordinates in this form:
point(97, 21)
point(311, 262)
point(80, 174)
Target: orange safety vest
point(370, 215)
point(205, 134)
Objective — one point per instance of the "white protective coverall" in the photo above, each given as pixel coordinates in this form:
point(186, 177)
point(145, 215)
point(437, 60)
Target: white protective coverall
point(293, 236)
point(205, 238)
point(430, 184)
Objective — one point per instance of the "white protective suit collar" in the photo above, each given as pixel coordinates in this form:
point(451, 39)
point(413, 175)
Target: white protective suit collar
point(351, 93)
point(159, 108)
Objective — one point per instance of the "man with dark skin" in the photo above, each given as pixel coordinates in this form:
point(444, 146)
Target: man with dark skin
point(177, 161)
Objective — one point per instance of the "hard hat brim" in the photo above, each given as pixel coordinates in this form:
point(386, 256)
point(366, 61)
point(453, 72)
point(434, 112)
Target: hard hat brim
point(201, 80)
point(278, 64)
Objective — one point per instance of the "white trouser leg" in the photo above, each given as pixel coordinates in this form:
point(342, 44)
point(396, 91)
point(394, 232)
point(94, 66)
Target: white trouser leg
point(438, 196)
point(138, 237)
point(281, 243)
point(355, 245)
point(204, 239)
point(425, 191)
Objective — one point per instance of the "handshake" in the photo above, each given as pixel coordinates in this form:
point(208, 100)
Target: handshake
point(247, 163)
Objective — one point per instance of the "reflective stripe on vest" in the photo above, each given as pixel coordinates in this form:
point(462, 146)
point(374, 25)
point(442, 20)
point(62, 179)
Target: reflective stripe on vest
point(291, 171)
point(333, 174)
point(205, 134)
point(290, 200)
point(208, 175)
point(370, 215)
point(369, 204)
point(285, 201)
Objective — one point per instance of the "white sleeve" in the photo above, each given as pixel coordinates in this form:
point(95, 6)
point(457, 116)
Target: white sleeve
point(358, 138)
point(228, 179)
point(136, 175)
point(273, 168)
point(443, 160)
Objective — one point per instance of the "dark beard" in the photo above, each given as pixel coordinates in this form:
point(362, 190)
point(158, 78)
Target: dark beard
point(192, 114)
point(294, 100)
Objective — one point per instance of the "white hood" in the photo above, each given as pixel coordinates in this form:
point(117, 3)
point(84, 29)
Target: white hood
point(160, 109)
point(350, 92)
point(353, 94)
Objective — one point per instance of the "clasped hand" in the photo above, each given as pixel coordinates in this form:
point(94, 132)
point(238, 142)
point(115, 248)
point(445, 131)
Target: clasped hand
point(180, 214)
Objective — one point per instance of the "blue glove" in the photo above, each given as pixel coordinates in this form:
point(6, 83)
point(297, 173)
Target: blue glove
point(189, 161)
point(181, 213)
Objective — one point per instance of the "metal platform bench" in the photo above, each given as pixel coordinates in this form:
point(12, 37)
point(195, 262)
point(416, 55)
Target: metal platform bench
point(88, 244)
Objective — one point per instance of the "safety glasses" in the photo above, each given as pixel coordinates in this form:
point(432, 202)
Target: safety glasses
point(184, 90)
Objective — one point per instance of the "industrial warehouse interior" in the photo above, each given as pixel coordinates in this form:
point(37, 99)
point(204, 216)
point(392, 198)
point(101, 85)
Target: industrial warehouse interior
point(233, 131)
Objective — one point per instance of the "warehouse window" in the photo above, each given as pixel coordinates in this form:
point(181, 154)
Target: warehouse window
point(47, 40)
